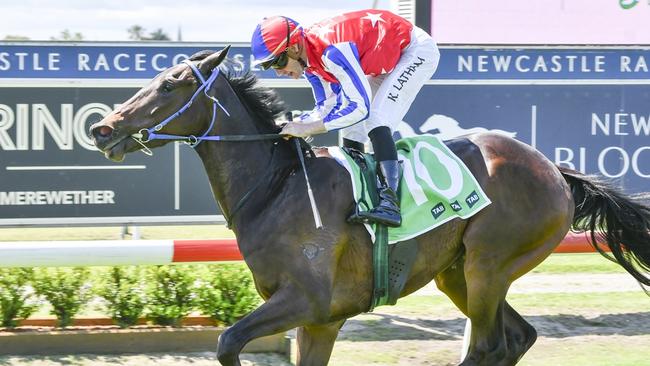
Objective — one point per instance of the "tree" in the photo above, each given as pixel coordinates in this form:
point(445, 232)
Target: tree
point(137, 33)
point(159, 35)
point(66, 35)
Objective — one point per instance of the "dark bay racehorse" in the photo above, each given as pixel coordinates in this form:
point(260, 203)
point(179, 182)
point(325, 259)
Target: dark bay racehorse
point(316, 279)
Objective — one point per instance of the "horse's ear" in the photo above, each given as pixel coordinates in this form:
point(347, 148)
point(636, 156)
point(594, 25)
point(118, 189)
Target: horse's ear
point(209, 63)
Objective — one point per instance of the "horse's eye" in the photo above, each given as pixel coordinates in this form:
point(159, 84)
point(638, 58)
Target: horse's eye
point(167, 87)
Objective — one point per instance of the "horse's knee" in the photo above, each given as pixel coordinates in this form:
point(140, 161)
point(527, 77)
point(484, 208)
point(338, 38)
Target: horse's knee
point(228, 348)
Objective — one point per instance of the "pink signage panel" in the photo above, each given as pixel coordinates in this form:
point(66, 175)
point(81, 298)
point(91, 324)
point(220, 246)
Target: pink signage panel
point(541, 21)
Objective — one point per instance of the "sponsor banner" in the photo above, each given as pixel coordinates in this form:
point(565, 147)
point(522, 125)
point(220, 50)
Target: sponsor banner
point(597, 129)
point(49, 168)
point(544, 64)
point(107, 61)
point(137, 61)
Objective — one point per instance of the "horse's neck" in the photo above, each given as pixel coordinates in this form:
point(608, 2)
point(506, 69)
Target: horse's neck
point(234, 168)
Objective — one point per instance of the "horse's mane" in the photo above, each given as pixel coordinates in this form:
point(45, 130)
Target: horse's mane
point(262, 102)
point(265, 106)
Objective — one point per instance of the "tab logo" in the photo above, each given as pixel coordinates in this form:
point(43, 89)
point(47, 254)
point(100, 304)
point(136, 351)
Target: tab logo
point(628, 4)
point(456, 206)
point(438, 210)
point(472, 199)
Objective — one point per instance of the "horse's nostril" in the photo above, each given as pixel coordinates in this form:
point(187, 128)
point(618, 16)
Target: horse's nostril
point(105, 131)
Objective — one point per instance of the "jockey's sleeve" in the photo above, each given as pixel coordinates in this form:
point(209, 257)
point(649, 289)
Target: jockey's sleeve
point(326, 97)
point(342, 61)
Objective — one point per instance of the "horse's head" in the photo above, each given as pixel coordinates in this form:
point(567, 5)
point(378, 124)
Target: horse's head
point(121, 131)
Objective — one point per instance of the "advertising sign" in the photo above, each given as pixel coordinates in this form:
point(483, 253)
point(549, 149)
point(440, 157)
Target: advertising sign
point(585, 108)
point(137, 62)
point(596, 129)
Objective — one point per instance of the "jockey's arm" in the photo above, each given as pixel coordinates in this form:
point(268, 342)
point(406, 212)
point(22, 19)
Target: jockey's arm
point(349, 100)
point(326, 96)
point(311, 123)
point(342, 61)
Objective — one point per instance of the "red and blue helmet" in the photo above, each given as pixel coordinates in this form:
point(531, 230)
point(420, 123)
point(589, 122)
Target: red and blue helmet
point(273, 36)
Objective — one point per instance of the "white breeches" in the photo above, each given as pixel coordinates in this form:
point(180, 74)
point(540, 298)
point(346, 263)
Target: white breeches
point(393, 93)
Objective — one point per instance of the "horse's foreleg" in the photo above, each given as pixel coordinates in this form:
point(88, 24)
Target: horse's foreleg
point(282, 311)
point(315, 343)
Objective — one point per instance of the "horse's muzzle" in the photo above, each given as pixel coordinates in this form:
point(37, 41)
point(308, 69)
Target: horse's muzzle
point(101, 135)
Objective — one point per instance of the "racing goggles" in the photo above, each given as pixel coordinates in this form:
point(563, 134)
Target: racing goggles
point(280, 62)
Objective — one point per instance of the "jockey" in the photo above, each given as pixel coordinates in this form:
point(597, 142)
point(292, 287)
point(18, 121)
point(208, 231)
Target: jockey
point(365, 69)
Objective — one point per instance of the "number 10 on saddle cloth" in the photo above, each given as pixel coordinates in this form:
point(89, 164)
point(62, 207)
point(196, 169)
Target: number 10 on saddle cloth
point(436, 187)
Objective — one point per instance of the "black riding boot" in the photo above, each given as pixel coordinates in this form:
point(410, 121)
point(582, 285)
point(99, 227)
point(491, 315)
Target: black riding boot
point(387, 212)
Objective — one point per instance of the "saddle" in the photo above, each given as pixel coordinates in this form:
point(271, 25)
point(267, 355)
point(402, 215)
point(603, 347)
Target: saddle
point(436, 187)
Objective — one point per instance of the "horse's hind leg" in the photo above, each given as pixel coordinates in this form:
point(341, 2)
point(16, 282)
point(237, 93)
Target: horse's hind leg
point(499, 335)
point(315, 343)
point(486, 292)
point(519, 335)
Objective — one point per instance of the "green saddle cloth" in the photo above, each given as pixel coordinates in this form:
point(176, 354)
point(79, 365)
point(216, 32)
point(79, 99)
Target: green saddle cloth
point(436, 186)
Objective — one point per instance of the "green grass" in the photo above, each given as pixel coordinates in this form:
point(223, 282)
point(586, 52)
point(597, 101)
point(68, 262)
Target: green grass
point(535, 303)
point(583, 329)
point(594, 351)
point(581, 303)
point(577, 263)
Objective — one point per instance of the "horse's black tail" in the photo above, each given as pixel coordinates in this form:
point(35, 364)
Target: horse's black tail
point(611, 217)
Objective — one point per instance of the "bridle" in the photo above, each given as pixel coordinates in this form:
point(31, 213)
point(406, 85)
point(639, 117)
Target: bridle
point(152, 133)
